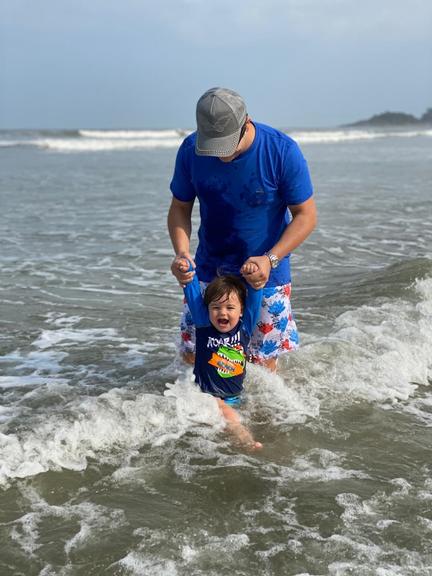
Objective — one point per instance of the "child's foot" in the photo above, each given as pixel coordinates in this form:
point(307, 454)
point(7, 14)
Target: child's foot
point(244, 438)
point(254, 447)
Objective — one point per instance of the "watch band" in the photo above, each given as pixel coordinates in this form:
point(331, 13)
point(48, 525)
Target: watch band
point(274, 260)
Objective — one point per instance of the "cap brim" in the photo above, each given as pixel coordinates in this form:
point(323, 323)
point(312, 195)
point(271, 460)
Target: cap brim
point(225, 146)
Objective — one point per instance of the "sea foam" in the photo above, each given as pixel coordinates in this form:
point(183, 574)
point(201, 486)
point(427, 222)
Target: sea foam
point(347, 135)
point(378, 352)
point(107, 428)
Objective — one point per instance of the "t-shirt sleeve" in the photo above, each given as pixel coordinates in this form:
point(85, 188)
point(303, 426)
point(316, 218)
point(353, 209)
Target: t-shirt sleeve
point(181, 183)
point(252, 309)
point(195, 302)
point(295, 183)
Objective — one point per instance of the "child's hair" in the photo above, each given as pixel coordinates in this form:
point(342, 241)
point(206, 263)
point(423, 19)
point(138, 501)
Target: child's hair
point(223, 286)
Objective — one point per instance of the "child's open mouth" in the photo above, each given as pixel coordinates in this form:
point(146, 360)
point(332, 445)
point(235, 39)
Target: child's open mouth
point(223, 321)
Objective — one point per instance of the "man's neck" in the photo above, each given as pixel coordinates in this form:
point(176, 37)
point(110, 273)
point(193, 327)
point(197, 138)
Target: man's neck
point(244, 144)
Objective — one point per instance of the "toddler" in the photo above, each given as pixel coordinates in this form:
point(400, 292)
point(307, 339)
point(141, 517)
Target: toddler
point(224, 319)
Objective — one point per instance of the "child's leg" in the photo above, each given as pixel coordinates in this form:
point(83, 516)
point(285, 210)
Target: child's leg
point(236, 428)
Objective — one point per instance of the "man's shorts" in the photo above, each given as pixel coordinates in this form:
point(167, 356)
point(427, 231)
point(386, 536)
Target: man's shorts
point(274, 334)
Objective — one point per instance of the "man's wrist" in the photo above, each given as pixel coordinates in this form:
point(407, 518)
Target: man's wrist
point(274, 260)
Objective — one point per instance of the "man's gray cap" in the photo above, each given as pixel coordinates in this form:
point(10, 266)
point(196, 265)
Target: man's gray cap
point(220, 115)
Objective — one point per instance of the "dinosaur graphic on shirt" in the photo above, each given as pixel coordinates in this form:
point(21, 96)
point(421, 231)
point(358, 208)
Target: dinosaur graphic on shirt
point(228, 361)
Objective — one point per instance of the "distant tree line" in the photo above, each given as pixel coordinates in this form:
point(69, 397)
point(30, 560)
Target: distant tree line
point(396, 119)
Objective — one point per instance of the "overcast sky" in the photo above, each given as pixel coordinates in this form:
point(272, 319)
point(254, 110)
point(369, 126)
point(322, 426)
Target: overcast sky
point(143, 64)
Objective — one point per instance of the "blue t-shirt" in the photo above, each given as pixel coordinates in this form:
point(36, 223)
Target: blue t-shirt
point(243, 203)
point(220, 357)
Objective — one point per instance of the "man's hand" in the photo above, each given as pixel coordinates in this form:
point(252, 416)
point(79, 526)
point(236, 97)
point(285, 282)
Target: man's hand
point(180, 268)
point(256, 271)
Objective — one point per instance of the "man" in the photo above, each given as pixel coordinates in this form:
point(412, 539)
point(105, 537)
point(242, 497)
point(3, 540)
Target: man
point(256, 206)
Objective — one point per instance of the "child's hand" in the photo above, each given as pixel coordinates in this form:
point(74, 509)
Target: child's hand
point(256, 271)
point(249, 268)
point(183, 264)
point(180, 267)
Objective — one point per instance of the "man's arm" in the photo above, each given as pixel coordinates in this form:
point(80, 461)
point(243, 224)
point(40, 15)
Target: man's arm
point(180, 228)
point(304, 219)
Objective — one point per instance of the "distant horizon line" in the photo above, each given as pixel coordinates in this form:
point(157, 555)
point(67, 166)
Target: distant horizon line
point(183, 129)
point(158, 128)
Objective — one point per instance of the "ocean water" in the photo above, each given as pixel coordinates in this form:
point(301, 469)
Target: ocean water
point(111, 462)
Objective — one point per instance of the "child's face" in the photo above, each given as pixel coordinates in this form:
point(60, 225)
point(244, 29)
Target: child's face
point(225, 312)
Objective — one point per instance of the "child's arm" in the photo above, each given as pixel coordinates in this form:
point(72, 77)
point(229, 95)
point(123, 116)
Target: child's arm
point(253, 299)
point(195, 301)
point(252, 308)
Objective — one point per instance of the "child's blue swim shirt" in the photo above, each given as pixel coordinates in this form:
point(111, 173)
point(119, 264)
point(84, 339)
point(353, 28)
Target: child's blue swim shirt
point(220, 357)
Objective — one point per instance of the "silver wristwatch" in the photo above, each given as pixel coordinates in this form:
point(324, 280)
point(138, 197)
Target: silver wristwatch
point(274, 260)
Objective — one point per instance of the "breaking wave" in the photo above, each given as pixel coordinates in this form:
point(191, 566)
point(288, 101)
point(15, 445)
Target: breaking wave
point(70, 141)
